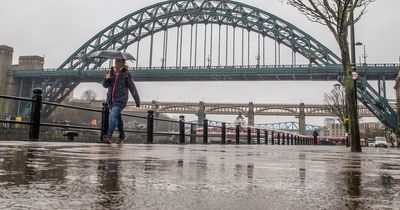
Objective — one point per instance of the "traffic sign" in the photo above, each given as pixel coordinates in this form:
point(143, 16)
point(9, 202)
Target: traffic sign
point(355, 75)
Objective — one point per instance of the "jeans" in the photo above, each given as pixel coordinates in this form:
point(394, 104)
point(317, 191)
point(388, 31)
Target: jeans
point(116, 121)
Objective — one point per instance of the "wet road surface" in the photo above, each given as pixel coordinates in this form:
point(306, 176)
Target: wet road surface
point(96, 176)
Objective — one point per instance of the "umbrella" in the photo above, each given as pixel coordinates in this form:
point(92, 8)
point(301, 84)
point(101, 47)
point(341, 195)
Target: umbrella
point(111, 54)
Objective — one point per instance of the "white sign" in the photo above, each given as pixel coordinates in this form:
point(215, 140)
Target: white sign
point(355, 75)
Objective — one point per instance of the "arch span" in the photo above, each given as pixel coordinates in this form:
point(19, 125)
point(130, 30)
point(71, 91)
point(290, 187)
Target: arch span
point(176, 13)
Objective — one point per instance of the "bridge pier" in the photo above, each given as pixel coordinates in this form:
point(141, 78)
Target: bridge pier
point(397, 90)
point(302, 120)
point(26, 85)
point(201, 113)
point(250, 114)
point(6, 80)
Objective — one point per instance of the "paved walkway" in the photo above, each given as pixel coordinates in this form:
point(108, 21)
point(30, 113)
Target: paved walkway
point(95, 176)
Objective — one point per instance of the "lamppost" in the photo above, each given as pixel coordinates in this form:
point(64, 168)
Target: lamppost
point(258, 59)
point(162, 62)
point(364, 55)
point(355, 140)
point(338, 87)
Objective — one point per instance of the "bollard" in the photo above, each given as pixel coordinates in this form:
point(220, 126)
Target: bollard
point(288, 139)
point(205, 132)
point(192, 133)
point(279, 138)
point(105, 117)
point(266, 137)
point(181, 129)
point(36, 108)
point(283, 139)
point(248, 135)
point(295, 140)
point(258, 136)
point(272, 138)
point(237, 131)
point(150, 126)
point(223, 133)
point(291, 139)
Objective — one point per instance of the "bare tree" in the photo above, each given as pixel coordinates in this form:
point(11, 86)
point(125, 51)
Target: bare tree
point(339, 16)
point(89, 95)
point(336, 103)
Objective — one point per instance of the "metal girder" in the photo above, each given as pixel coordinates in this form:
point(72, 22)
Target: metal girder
point(176, 13)
point(377, 104)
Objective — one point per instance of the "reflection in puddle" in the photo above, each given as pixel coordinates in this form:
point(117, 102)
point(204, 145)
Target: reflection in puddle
point(81, 176)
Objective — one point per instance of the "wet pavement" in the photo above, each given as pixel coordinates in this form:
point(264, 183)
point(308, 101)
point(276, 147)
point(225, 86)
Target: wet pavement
point(95, 176)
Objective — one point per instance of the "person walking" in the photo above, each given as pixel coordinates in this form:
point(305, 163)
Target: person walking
point(118, 81)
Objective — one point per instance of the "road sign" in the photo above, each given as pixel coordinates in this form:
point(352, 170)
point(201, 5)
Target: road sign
point(355, 75)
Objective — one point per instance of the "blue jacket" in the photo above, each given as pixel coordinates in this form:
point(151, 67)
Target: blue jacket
point(117, 94)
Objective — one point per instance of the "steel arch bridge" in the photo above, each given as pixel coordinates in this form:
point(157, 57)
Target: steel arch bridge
point(163, 16)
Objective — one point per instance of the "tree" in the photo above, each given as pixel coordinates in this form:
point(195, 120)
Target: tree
point(336, 103)
point(339, 16)
point(89, 95)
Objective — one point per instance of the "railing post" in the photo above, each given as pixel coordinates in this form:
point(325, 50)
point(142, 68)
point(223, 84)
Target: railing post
point(181, 129)
point(223, 133)
point(272, 138)
point(105, 117)
point(36, 108)
point(192, 134)
point(248, 135)
point(291, 139)
point(279, 138)
point(237, 131)
point(288, 139)
point(205, 132)
point(150, 126)
point(266, 137)
point(258, 136)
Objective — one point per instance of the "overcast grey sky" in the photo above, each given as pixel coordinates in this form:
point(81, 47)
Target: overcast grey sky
point(56, 29)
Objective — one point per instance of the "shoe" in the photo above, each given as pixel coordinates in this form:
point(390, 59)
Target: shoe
point(107, 139)
point(121, 140)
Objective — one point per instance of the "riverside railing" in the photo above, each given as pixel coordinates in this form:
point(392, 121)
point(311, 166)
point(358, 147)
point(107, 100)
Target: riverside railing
point(193, 131)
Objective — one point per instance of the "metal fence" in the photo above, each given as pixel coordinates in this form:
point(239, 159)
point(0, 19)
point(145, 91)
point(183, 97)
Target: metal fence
point(207, 133)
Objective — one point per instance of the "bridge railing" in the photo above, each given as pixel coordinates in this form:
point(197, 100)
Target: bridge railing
point(360, 66)
point(208, 133)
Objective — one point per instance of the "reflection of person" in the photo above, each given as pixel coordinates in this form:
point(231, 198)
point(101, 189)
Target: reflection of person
point(118, 80)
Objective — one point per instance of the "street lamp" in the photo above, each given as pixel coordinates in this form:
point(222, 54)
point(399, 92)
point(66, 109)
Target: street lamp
point(162, 62)
point(364, 55)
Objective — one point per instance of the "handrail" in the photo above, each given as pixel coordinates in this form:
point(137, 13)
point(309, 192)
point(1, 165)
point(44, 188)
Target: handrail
point(71, 106)
point(35, 124)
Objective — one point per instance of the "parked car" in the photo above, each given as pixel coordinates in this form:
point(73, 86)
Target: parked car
point(371, 143)
point(380, 141)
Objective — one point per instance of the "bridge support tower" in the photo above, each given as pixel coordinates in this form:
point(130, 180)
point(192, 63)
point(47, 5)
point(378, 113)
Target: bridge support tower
point(302, 120)
point(201, 113)
point(250, 114)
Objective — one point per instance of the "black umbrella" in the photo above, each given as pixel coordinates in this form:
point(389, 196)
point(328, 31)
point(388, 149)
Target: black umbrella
point(111, 54)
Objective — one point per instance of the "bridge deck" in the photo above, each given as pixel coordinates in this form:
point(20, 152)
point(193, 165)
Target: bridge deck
point(223, 73)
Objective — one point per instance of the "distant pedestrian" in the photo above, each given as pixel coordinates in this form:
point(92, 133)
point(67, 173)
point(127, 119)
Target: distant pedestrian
point(118, 81)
